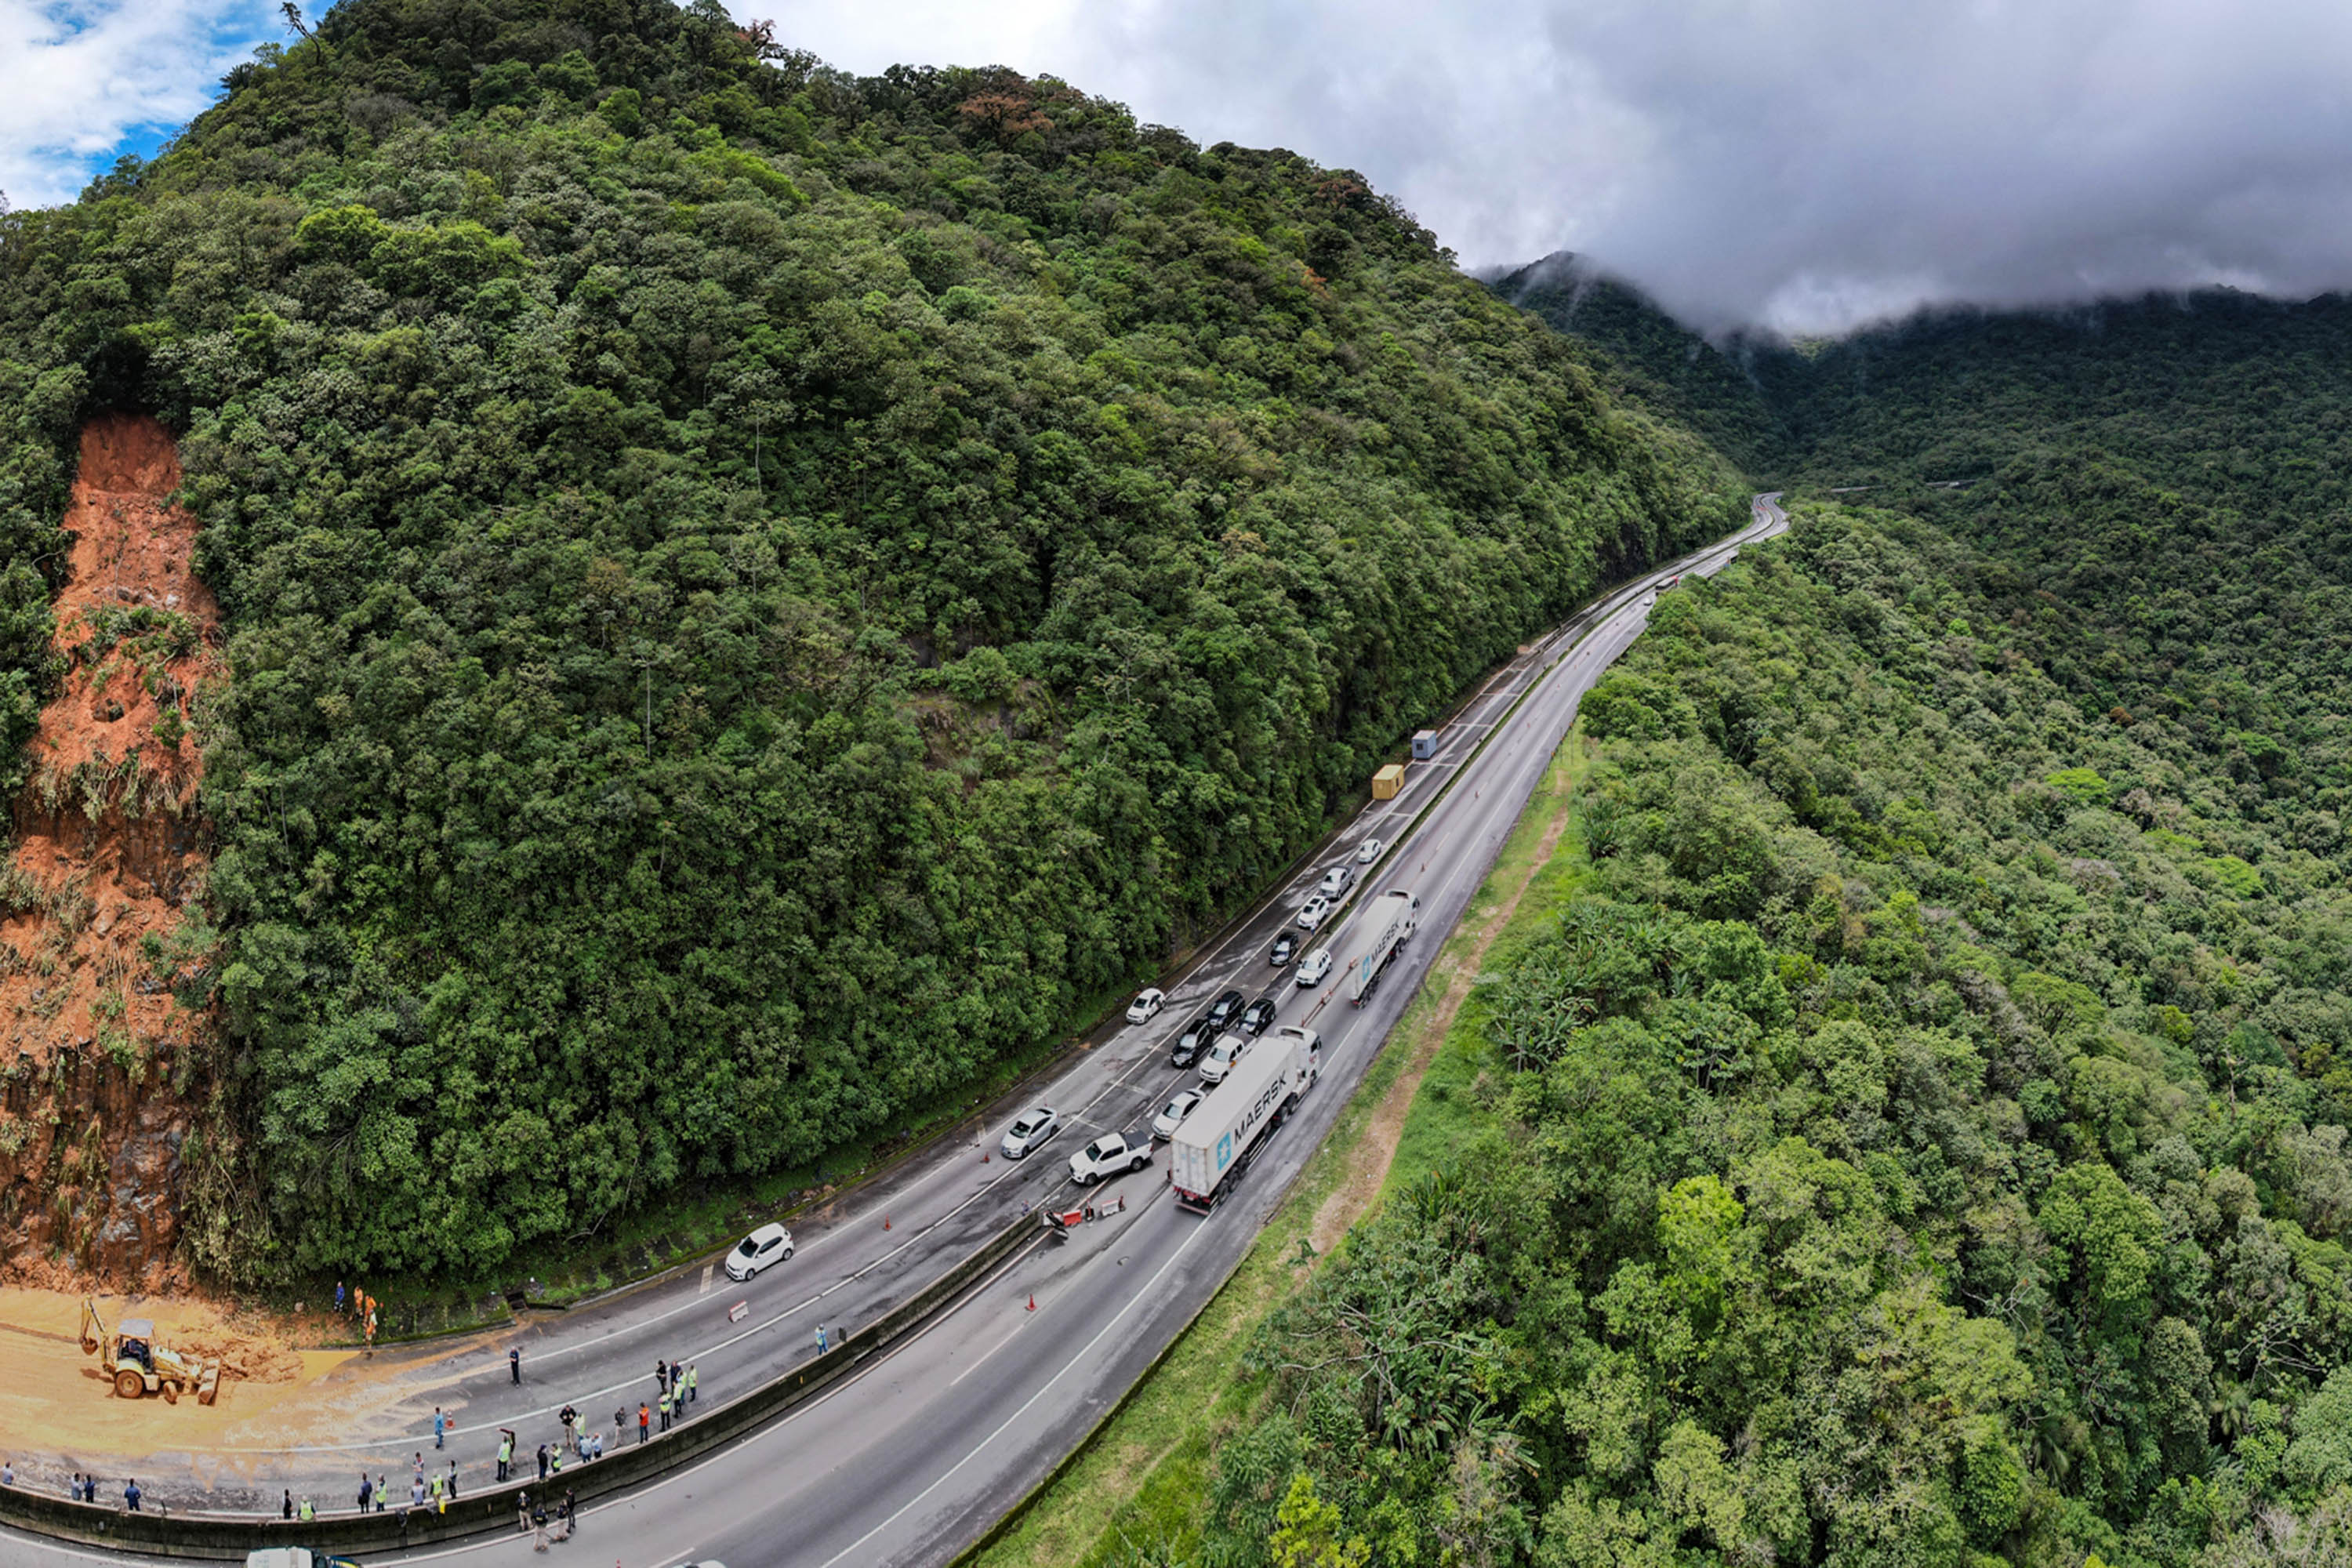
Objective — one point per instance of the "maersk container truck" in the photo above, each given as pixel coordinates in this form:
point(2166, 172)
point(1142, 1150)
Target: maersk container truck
point(1215, 1145)
point(1388, 925)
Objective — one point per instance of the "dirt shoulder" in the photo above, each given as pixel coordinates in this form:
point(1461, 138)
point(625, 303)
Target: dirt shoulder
point(1145, 1477)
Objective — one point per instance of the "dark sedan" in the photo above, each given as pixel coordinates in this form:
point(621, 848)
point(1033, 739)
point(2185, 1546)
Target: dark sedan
point(1285, 948)
point(1197, 1038)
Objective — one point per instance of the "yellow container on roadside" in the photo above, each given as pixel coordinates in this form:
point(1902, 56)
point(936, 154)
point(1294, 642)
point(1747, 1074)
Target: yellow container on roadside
point(1388, 781)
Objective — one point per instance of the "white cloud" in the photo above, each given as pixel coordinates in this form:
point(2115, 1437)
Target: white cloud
point(79, 78)
point(1804, 162)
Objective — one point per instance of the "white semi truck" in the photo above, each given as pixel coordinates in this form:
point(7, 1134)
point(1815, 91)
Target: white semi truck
point(1387, 925)
point(1218, 1140)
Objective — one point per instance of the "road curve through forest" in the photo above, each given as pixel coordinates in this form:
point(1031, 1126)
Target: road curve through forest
point(910, 1460)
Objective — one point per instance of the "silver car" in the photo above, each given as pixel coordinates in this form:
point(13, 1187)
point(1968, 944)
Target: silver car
point(1171, 1115)
point(1033, 1129)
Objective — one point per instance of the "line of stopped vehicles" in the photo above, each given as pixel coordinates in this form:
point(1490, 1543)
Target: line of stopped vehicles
point(1252, 1072)
point(1250, 1079)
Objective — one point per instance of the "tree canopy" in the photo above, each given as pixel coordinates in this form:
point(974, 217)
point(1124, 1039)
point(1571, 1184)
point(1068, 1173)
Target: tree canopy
point(751, 593)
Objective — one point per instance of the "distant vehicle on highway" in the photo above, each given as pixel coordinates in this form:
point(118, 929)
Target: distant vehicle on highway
point(1223, 1010)
point(1196, 1038)
point(1034, 1128)
point(1311, 912)
point(311, 1557)
point(1171, 1115)
point(1370, 851)
point(1109, 1155)
point(768, 1245)
point(1146, 1006)
point(1256, 1016)
point(1229, 1049)
point(1284, 946)
point(1335, 881)
point(1315, 967)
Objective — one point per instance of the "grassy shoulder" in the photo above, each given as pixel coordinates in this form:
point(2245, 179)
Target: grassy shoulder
point(1137, 1490)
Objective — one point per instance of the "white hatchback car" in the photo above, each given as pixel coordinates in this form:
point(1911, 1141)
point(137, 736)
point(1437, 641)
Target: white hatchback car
point(1315, 968)
point(1370, 851)
point(1171, 1115)
point(1311, 912)
point(1146, 1006)
point(1035, 1126)
point(769, 1244)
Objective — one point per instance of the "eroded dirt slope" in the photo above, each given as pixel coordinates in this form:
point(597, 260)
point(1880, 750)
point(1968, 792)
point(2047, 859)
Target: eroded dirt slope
point(97, 1059)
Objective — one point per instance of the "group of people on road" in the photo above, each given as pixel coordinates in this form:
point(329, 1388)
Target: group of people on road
point(82, 1488)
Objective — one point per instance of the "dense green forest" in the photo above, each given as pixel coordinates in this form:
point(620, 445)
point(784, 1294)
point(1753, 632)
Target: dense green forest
point(1927, 1141)
point(1924, 1145)
point(753, 594)
point(1712, 387)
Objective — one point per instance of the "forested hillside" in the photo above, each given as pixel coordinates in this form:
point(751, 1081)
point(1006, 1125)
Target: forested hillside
point(753, 593)
point(1712, 388)
point(1924, 1145)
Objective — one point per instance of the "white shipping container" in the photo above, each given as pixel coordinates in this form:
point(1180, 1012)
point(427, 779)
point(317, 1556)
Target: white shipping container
point(1389, 924)
point(1220, 1137)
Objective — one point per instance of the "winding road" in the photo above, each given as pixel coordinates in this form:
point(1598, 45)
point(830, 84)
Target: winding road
point(911, 1460)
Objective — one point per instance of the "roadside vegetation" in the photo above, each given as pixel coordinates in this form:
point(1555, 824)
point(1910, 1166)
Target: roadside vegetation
point(755, 596)
point(1135, 1493)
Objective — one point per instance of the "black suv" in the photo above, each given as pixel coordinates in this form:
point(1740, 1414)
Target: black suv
point(1197, 1038)
point(1285, 948)
point(1221, 1011)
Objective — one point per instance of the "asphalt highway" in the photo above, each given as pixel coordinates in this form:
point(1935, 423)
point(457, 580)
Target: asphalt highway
point(908, 1461)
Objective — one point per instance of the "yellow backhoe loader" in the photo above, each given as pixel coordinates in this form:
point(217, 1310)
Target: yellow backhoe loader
point(138, 1363)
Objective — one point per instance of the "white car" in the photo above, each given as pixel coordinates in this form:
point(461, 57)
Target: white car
point(1222, 1058)
point(1109, 1155)
point(1171, 1115)
point(1146, 1006)
point(1370, 851)
point(1311, 912)
point(1034, 1128)
point(1313, 967)
point(769, 1244)
point(1335, 881)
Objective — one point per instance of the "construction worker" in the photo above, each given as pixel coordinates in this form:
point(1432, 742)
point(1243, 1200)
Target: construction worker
point(645, 1420)
point(505, 1450)
point(440, 1426)
point(383, 1492)
point(308, 1513)
point(665, 1410)
point(693, 1381)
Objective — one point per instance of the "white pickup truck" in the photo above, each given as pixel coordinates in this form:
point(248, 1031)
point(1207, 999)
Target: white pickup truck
point(1112, 1154)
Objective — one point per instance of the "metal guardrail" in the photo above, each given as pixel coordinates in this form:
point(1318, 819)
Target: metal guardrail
point(223, 1537)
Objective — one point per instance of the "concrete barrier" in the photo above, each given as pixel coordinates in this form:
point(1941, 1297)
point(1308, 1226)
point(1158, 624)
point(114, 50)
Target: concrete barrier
point(229, 1537)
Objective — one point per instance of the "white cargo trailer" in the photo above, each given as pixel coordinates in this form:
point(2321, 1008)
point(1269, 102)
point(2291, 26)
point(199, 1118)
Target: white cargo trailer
point(1388, 925)
point(1218, 1140)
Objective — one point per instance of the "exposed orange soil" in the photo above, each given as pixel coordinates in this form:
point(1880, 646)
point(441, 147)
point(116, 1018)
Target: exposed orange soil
point(107, 850)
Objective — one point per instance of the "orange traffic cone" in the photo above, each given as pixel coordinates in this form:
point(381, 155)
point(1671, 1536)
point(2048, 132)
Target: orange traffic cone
point(885, 1222)
point(1032, 1301)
